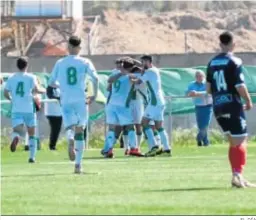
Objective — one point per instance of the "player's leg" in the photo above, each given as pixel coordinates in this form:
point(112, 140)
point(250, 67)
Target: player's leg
point(125, 140)
point(134, 150)
point(148, 131)
point(119, 135)
point(138, 128)
point(69, 120)
point(55, 127)
point(156, 134)
point(199, 137)
point(235, 130)
point(203, 116)
point(110, 138)
point(109, 143)
point(238, 151)
point(137, 118)
point(31, 123)
point(125, 119)
point(26, 140)
point(159, 124)
point(70, 135)
point(81, 111)
point(17, 130)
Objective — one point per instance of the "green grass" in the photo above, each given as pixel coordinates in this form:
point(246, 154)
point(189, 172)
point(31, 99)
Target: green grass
point(193, 182)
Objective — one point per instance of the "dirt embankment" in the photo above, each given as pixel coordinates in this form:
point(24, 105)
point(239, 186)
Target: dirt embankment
point(167, 32)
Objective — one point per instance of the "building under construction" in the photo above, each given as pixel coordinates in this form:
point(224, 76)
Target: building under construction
point(41, 28)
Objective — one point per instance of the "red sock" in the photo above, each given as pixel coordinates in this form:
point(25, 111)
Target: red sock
point(240, 158)
point(232, 157)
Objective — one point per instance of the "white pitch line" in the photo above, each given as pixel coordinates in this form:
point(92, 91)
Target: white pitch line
point(126, 160)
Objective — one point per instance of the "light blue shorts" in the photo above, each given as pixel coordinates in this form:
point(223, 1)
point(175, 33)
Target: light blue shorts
point(28, 119)
point(75, 114)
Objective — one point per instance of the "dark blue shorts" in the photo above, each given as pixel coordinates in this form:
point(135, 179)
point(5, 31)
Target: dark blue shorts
point(233, 123)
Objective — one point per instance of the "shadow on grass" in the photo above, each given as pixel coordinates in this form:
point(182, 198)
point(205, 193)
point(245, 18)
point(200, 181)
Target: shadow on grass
point(189, 189)
point(48, 174)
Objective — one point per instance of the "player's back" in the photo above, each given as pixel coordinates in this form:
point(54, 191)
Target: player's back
point(155, 92)
point(224, 72)
point(121, 91)
point(71, 75)
point(21, 87)
point(140, 91)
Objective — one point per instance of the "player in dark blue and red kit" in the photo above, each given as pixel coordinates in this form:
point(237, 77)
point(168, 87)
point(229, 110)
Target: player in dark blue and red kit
point(225, 81)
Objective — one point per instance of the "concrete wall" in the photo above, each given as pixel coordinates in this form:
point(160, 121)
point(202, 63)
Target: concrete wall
point(105, 62)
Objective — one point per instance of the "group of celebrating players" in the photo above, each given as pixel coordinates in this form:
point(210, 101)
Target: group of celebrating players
point(136, 98)
point(135, 104)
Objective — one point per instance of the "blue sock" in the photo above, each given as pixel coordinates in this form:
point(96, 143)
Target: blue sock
point(79, 147)
point(132, 139)
point(32, 147)
point(150, 137)
point(164, 138)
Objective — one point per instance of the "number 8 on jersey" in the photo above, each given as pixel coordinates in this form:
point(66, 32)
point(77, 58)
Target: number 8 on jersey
point(71, 76)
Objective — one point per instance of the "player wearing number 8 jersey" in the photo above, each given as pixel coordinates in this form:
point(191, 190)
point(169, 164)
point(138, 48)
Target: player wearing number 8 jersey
point(19, 89)
point(225, 80)
point(71, 72)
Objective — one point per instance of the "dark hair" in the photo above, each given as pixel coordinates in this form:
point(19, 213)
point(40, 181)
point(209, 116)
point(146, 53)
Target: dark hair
point(127, 63)
point(226, 38)
point(136, 69)
point(118, 61)
point(22, 63)
point(74, 41)
point(147, 57)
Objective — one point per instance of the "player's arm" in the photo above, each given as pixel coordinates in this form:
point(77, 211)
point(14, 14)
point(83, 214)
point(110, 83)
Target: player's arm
point(208, 88)
point(54, 75)
point(241, 87)
point(113, 77)
point(208, 80)
point(95, 81)
point(37, 88)
point(7, 90)
point(109, 87)
point(7, 94)
point(137, 79)
point(243, 92)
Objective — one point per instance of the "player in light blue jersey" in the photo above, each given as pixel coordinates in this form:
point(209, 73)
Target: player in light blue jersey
point(118, 110)
point(71, 73)
point(19, 89)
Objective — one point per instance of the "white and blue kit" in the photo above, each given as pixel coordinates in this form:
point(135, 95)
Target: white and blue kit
point(21, 86)
point(71, 73)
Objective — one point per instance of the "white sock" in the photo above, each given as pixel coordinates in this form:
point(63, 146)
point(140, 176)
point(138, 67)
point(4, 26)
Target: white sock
point(26, 139)
point(164, 139)
point(32, 147)
point(150, 138)
point(126, 142)
point(139, 139)
point(158, 139)
point(79, 147)
point(132, 139)
point(70, 134)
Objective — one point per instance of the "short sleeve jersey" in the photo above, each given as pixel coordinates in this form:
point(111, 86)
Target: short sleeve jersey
point(225, 74)
point(21, 86)
point(140, 91)
point(71, 73)
point(152, 79)
point(121, 91)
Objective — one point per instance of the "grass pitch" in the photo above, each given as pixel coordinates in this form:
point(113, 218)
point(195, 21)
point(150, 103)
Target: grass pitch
point(195, 181)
